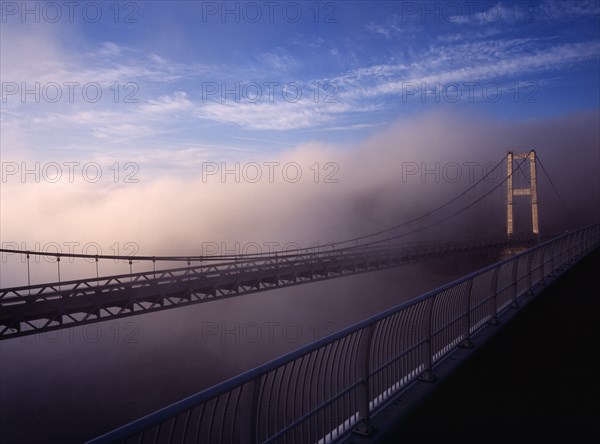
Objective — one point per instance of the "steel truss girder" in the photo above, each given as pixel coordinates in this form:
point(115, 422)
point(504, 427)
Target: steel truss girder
point(52, 306)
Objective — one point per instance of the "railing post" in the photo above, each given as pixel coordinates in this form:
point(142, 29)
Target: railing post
point(553, 272)
point(569, 247)
point(573, 246)
point(580, 242)
point(467, 343)
point(494, 285)
point(543, 265)
point(530, 272)
point(558, 265)
point(365, 427)
point(574, 237)
point(428, 375)
point(564, 252)
point(513, 276)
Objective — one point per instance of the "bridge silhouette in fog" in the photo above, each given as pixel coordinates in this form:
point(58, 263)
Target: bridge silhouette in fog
point(31, 309)
point(326, 390)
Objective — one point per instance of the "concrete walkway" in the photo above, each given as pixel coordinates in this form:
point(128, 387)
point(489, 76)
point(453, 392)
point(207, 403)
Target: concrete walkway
point(536, 381)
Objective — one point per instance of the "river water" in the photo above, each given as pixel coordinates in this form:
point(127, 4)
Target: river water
point(71, 385)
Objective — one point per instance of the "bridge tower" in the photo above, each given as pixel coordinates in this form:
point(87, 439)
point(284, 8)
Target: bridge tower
point(530, 191)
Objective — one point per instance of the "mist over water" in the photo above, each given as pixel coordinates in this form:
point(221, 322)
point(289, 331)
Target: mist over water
point(72, 385)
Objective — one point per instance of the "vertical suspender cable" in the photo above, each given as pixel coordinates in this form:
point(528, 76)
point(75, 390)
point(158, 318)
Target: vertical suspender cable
point(28, 275)
point(58, 268)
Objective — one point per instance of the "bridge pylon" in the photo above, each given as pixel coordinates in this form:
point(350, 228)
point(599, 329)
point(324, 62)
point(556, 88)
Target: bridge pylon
point(527, 191)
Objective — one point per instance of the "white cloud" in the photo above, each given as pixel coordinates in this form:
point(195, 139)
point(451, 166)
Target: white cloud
point(110, 49)
point(565, 10)
point(392, 27)
point(280, 115)
point(278, 59)
point(468, 62)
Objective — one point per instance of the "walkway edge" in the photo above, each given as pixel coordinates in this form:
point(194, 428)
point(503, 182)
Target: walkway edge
point(420, 391)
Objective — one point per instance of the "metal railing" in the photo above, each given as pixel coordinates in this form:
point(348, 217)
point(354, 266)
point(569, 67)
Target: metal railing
point(327, 389)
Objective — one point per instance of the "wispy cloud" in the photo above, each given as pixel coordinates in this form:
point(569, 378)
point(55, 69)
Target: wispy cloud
point(278, 59)
point(529, 12)
point(367, 76)
point(566, 10)
point(469, 62)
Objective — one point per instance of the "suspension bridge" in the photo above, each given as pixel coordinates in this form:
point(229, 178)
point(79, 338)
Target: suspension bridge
point(332, 387)
point(31, 309)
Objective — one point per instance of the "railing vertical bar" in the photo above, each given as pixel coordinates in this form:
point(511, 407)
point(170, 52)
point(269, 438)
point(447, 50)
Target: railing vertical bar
point(212, 418)
point(278, 407)
point(299, 388)
point(269, 400)
point(172, 429)
point(287, 394)
point(513, 288)
point(306, 390)
point(364, 393)
point(186, 424)
point(428, 375)
point(200, 418)
point(326, 389)
point(350, 365)
point(467, 314)
point(157, 433)
point(334, 383)
point(494, 289)
point(529, 271)
point(223, 419)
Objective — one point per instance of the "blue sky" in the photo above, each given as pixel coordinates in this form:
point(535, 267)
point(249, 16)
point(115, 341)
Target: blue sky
point(372, 63)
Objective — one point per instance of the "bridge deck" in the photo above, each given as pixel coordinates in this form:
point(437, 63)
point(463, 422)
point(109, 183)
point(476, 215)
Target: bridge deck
point(537, 380)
